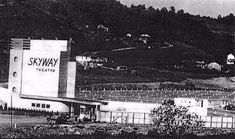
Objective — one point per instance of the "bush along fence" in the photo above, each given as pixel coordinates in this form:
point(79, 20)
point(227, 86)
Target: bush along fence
point(144, 118)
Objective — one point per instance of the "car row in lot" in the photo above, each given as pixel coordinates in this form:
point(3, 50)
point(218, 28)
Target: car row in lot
point(229, 107)
point(67, 119)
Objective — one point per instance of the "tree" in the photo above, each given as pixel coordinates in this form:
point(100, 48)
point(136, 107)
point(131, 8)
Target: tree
point(172, 9)
point(151, 9)
point(54, 8)
point(180, 12)
point(175, 120)
point(164, 10)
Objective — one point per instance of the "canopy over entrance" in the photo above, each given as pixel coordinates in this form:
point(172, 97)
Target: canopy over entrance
point(68, 100)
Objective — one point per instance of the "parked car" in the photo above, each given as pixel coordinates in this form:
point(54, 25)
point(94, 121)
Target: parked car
point(66, 119)
point(58, 119)
point(229, 107)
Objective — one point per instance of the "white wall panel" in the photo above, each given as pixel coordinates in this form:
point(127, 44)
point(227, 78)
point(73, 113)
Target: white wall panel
point(40, 73)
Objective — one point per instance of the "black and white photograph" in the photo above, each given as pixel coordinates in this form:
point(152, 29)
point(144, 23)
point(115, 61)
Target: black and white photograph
point(117, 69)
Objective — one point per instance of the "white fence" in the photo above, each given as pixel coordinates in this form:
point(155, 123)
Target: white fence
point(126, 117)
point(219, 122)
point(143, 118)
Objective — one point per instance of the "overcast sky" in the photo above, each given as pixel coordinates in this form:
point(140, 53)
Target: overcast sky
point(202, 7)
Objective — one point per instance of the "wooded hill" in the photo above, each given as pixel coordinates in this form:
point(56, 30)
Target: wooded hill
point(212, 38)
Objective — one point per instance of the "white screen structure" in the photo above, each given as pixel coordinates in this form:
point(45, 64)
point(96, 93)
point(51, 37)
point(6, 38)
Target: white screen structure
point(40, 75)
point(48, 45)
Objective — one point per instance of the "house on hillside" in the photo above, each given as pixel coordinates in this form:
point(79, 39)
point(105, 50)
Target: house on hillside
point(128, 34)
point(230, 64)
point(144, 38)
point(87, 61)
point(230, 59)
point(200, 64)
point(214, 66)
point(122, 68)
point(102, 27)
point(83, 59)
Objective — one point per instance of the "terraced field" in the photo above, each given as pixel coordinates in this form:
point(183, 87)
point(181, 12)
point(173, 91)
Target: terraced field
point(153, 96)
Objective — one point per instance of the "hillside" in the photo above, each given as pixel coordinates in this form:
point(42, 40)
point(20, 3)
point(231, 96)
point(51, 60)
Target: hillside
point(157, 57)
point(191, 37)
point(78, 19)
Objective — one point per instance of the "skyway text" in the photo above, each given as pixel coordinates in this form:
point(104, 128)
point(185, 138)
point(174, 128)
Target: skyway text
point(47, 62)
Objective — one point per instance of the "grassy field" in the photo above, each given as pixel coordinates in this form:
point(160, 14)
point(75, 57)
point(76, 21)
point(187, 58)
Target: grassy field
point(136, 75)
point(220, 82)
point(19, 120)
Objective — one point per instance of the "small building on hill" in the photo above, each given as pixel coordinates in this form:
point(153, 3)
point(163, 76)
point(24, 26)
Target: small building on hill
point(144, 37)
point(230, 59)
point(102, 27)
point(214, 66)
point(122, 68)
point(200, 64)
point(83, 59)
point(88, 61)
point(128, 34)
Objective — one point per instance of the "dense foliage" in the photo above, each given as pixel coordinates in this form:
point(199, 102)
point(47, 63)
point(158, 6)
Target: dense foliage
point(107, 131)
point(175, 120)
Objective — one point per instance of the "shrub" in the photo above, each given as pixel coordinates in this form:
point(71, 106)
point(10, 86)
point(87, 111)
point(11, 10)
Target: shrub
point(175, 120)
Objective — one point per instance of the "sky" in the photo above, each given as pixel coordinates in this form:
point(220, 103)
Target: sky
point(211, 8)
